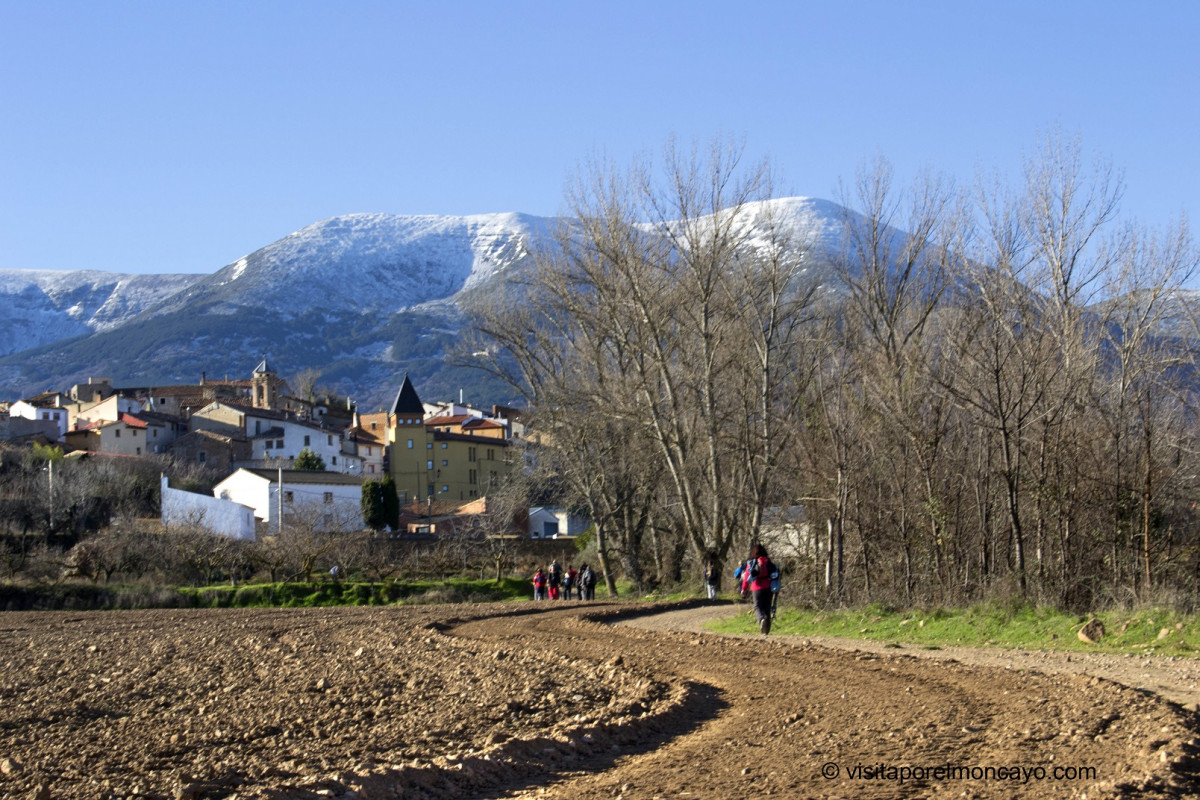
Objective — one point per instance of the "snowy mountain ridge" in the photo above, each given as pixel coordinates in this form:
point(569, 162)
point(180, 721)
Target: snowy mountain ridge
point(42, 306)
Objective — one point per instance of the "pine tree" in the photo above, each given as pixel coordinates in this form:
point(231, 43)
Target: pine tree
point(391, 502)
point(308, 460)
point(374, 510)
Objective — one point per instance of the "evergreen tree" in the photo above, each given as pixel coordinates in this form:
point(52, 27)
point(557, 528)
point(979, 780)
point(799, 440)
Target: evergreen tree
point(308, 460)
point(374, 510)
point(391, 502)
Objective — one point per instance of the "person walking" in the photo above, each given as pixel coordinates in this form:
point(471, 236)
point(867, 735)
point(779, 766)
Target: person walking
point(539, 585)
point(712, 574)
point(587, 583)
point(756, 580)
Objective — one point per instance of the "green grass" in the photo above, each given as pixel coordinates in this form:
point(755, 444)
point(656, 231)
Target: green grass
point(990, 625)
point(327, 593)
point(79, 596)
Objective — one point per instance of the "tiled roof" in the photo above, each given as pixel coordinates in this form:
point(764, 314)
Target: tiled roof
point(307, 476)
point(455, 420)
point(483, 423)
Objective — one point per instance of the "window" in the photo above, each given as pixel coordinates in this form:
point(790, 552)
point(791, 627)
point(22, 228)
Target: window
point(491, 454)
point(445, 488)
point(156, 433)
point(410, 441)
point(329, 439)
point(201, 456)
point(428, 465)
point(117, 433)
point(374, 425)
point(269, 443)
point(371, 468)
point(445, 463)
point(471, 454)
point(473, 477)
point(139, 451)
point(133, 433)
point(443, 445)
point(288, 497)
point(279, 444)
point(429, 445)
point(368, 449)
point(334, 460)
point(306, 438)
point(328, 497)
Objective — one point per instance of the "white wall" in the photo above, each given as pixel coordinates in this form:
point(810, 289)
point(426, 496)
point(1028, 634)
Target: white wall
point(58, 416)
point(342, 512)
point(222, 517)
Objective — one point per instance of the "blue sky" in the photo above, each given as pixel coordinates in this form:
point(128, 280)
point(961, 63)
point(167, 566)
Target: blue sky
point(177, 137)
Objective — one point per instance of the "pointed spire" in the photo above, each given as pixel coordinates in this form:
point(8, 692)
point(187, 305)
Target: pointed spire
point(407, 401)
point(264, 367)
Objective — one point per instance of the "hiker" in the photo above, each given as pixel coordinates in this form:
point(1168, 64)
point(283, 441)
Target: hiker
point(539, 585)
point(587, 583)
point(712, 574)
point(760, 572)
point(554, 579)
point(568, 582)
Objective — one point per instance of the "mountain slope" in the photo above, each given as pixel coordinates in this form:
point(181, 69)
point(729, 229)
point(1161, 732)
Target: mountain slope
point(374, 263)
point(41, 306)
point(363, 298)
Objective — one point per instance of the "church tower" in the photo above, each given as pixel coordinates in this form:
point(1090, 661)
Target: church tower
point(265, 385)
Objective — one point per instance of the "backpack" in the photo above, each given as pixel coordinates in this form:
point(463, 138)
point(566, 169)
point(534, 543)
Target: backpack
point(772, 573)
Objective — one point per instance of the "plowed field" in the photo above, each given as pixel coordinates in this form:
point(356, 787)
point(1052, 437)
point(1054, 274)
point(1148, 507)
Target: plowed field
point(543, 700)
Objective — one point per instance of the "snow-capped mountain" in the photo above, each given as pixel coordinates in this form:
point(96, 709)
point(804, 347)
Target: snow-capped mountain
point(42, 306)
point(369, 263)
point(363, 298)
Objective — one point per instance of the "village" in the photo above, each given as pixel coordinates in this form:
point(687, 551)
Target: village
point(286, 456)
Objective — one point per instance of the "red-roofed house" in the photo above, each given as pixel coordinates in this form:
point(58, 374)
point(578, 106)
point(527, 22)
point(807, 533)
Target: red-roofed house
point(128, 436)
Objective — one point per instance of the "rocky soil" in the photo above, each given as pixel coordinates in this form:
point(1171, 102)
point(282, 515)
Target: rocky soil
point(545, 700)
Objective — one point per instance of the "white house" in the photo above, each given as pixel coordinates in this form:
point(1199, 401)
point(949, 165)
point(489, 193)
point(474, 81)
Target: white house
point(275, 436)
point(27, 410)
point(219, 516)
point(787, 533)
point(110, 409)
point(327, 499)
point(548, 522)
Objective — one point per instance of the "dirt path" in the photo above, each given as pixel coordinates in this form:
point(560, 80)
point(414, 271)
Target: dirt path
point(545, 700)
point(1175, 678)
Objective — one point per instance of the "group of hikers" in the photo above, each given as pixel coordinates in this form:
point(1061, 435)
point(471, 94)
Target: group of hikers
point(756, 577)
point(555, 583)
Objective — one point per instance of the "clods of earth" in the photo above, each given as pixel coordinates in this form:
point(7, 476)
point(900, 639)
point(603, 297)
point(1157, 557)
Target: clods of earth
point(551, 700)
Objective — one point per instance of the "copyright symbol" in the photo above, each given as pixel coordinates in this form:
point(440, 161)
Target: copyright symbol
point(830, 770)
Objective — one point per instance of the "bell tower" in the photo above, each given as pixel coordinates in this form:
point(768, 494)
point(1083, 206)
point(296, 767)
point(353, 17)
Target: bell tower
point(265, 385)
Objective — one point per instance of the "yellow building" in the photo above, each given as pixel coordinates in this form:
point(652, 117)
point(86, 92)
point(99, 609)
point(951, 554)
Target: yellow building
point(444, 459)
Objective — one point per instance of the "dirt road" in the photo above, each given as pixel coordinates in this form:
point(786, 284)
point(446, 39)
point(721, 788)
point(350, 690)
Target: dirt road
point(543, 700)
